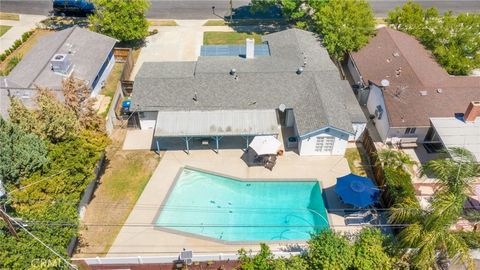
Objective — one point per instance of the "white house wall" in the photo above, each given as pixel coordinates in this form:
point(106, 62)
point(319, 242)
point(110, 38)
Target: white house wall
point(306, 146)
point(147, 120)
point(420, 133)
point(375, 98)
point(359, 128)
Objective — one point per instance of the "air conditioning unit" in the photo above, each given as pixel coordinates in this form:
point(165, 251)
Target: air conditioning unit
point(61, 63)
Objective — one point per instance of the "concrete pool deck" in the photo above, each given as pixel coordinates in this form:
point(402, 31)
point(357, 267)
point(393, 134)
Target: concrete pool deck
point(139, 237)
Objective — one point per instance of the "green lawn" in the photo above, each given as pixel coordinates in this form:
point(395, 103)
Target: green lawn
point(4, 29)
point(215, 23)
point(126, 175)
point(9, 16)
point(355, 161)
point(228, 38)
point(162, 23)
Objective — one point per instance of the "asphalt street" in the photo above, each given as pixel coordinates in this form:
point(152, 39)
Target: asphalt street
point(202, 9)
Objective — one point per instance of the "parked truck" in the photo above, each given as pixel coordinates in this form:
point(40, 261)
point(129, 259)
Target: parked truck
point(73, 6)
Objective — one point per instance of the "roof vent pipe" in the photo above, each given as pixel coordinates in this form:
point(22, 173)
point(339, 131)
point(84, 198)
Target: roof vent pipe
point(299, 70)
point(233, 71)
point(250, 48)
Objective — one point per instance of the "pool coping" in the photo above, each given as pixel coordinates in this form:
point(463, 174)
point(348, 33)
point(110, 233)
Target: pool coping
point(241, 179)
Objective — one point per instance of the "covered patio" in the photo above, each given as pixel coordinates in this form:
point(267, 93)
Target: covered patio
point(212, 129)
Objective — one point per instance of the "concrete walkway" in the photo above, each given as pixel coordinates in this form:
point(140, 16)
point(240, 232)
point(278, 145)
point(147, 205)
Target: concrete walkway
point(149, 240)
point(175, 43)
point(25, 24)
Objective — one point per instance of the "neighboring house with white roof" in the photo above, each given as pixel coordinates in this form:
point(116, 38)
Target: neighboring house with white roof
point(291, 85)
point(86, 54)
point(403, 88)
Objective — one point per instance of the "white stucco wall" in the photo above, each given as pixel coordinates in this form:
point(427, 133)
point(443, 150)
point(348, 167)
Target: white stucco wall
point(306, 145)
point(375, 98)
point(420, 133)
point(359, 128)
point(147, 120)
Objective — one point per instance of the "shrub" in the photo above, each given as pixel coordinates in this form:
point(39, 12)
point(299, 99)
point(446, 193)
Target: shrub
point(399, 184)
point(26, 35)
point(329, 250)
point(17, 43)
point(2, 57)
point(471, 238)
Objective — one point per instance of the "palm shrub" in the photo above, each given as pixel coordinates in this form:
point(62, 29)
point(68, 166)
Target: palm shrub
point(456, 170)
point(428, 236)
point(398, 160)
point(427, 240)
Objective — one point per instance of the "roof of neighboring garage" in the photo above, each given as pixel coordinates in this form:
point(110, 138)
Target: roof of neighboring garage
point(455, 132)
point(88, 51)
point(227, 123)
point(318, 96)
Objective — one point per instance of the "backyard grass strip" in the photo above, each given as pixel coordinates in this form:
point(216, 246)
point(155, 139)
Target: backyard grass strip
point(9, 16)
point(229, 38)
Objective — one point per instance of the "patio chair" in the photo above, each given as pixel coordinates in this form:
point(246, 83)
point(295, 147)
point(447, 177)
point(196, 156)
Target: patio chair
point(361, 218)
point(271, 161)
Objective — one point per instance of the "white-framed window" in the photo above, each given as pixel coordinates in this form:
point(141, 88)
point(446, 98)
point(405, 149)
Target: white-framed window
point(324, 144)
point(410, 131)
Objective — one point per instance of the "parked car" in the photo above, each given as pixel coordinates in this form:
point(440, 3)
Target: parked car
point(73, 6)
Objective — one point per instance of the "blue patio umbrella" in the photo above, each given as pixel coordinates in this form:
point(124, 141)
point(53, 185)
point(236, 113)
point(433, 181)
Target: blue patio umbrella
point(357, 190)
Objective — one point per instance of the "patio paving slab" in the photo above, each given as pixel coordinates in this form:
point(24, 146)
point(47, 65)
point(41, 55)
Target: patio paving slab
point(145, 239)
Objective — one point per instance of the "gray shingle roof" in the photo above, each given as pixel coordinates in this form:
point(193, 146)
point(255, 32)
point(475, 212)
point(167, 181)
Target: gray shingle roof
point(90, 51)
point(318, 96)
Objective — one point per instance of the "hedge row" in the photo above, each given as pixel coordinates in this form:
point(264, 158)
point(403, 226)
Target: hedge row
point(399, 184)
point(15, 45)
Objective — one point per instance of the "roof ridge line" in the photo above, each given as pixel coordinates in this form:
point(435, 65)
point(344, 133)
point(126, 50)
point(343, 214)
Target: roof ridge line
point(401, 51)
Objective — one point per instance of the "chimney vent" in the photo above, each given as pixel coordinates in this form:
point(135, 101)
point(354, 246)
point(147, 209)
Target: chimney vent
point(473, 111)
point(250, 48)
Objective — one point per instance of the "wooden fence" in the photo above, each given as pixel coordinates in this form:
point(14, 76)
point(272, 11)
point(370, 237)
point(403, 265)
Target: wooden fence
point(378, 173)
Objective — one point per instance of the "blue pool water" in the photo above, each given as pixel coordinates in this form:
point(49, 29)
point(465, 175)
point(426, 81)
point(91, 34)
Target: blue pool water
point(230, 210)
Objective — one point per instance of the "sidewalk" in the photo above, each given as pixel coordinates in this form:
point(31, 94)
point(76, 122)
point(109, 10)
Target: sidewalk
point(26, 23)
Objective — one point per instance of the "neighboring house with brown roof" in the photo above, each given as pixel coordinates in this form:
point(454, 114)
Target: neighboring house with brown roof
point(403, 86)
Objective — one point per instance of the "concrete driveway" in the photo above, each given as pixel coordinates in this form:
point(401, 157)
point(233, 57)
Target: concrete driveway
point(175, 43)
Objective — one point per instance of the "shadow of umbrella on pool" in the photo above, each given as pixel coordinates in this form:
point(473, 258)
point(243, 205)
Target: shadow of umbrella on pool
point(357, 190)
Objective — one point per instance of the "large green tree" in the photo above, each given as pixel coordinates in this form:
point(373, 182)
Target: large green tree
point(453, 39)
point(345, 25)
point(52, 120)
point(121, 19)
point(21, 153)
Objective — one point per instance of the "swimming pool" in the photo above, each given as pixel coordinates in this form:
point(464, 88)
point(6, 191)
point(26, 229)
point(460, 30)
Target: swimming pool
point(227, 209)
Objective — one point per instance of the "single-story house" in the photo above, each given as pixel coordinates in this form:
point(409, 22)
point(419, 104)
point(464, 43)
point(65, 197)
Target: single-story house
point(86, 54)
point(403, 88)
point(292, 84)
